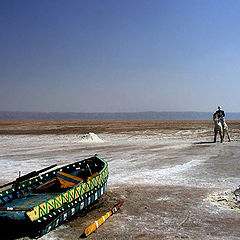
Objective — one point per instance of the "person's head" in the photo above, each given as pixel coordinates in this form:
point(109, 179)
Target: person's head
point(219, 108)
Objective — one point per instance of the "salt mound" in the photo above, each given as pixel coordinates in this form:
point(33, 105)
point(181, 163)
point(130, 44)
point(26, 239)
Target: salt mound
point(91, 137)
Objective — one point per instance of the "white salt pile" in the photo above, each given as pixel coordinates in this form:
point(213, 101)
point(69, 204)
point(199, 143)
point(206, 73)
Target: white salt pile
point(91, 137)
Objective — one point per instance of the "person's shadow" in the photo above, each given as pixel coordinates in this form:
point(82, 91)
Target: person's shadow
point(199, 143)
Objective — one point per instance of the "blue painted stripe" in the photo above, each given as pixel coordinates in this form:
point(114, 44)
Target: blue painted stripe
point(67, 178)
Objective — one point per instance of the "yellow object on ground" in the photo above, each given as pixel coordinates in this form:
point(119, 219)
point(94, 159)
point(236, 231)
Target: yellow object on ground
point(101, 220)
point(97, 223)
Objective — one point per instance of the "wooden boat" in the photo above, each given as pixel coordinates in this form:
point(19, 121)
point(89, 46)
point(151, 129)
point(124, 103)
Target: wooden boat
point(35, 204)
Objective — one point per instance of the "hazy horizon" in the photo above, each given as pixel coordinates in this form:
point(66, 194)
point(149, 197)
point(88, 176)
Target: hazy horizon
point(119, 56)
point(113, 116)
point(190, 111)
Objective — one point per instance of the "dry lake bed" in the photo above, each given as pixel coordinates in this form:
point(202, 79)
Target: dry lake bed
point(175, 182)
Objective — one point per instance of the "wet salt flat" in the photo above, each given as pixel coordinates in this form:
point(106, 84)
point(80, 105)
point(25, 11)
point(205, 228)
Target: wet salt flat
point(148, 157)
point(129, 155)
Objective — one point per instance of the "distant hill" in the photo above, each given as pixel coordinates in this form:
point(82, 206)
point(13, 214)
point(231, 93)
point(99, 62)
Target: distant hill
point(112, 116)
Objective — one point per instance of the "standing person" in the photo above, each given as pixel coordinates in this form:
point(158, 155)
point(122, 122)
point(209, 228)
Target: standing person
point(221, 116)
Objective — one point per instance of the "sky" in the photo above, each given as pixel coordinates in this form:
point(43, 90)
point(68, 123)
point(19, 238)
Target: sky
point(119, 56)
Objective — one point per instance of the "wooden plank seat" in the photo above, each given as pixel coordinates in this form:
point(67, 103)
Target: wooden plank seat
point(68, 180)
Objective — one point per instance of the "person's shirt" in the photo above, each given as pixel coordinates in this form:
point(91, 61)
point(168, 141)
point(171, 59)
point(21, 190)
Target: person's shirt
point(220, 113)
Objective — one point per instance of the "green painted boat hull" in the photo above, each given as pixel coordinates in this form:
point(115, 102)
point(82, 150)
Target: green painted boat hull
point(41, 211)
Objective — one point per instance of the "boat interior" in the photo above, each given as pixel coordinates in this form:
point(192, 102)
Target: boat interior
point(64, 179)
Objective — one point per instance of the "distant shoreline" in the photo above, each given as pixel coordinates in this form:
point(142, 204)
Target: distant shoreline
point(5, 115)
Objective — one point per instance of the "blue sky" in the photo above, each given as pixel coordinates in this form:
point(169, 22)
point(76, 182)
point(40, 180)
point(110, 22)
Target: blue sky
point(119, 56)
